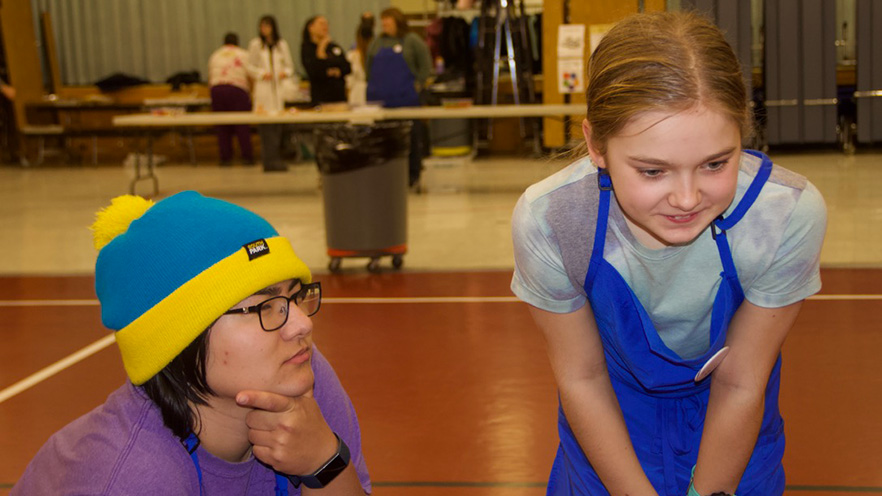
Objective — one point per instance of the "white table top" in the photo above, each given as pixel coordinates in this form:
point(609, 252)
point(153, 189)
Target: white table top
point(360, 116)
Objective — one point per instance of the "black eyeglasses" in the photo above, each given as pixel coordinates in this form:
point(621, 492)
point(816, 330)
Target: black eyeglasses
point(273, 313)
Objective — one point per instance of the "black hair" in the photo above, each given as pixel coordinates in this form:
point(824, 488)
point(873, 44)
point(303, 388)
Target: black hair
point(268, 19)
point(364, 33)
point(231, 39)
point(181, 383)
point(306, 37)
point(366, 27)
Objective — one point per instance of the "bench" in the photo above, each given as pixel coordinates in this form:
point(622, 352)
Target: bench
point(41, 132)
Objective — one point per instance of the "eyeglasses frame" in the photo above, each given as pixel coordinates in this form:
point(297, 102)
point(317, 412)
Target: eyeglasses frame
point(256, 308)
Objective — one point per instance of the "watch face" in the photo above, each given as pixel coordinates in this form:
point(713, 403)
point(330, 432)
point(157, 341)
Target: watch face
point(323, 476)
point(331, 470)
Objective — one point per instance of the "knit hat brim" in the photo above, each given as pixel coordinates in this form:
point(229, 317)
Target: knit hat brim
point(156, 337)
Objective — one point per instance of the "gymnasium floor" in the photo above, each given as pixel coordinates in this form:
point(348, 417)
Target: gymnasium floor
point(450, 379)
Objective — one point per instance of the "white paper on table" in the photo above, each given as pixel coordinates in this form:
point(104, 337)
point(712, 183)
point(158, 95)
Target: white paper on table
point(570, 41)
point(570, 75)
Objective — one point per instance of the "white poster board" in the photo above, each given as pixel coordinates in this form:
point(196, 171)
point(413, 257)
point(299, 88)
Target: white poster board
point(570, 75)
point(571, 58)
point(570, 41)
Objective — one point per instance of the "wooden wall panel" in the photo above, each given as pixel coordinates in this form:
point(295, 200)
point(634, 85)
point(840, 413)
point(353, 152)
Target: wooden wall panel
point(580, 12)
point(654, 5)
point(22, 58)
point(601, 11)
point(552, 17)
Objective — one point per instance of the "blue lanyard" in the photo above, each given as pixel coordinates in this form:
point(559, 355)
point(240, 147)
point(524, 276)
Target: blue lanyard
point(192, 442)
point(281, 484)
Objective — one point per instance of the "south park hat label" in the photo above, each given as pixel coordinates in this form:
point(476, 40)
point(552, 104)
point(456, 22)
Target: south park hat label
point(256, 249)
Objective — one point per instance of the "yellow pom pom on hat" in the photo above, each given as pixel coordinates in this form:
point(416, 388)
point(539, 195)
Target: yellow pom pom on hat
point(112, 221)
point(166, 271)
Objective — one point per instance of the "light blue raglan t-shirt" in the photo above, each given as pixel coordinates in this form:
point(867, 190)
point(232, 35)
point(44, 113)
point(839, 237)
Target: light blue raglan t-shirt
point(776, 248)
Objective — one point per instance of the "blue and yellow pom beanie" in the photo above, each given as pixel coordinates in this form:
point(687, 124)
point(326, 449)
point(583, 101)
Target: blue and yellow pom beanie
point(167, 270)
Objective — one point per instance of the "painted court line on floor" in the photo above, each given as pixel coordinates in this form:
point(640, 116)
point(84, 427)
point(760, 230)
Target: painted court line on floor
point(45, 373)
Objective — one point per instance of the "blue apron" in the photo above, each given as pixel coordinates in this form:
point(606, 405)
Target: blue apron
point(391, 81)
point(663, 407)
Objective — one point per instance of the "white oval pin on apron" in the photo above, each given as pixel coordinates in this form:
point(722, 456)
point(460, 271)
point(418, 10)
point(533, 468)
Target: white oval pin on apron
point(712, 364)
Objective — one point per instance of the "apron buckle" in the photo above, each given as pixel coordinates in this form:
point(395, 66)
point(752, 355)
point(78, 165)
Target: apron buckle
point(604, 183)
point(713, 227)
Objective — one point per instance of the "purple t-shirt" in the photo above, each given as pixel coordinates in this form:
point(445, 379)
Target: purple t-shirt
point(122, 447)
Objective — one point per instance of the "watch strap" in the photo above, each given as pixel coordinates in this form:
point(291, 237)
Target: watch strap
point(693, 492)
point(328, 471)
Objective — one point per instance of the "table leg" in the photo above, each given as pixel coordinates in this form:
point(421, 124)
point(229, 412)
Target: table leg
point(151, 174)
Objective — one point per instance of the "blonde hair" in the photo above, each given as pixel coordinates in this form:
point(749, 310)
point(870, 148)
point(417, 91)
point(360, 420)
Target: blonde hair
point(662, 61)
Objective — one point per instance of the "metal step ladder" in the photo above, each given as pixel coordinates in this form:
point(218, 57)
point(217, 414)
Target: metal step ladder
point(500, 20)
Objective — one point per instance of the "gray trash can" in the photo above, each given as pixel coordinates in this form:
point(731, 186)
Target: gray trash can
point(451, 137)
point(364, 185)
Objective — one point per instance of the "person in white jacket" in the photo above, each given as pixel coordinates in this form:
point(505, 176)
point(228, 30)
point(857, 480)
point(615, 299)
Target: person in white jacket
point(356, 81)
point(272, 69)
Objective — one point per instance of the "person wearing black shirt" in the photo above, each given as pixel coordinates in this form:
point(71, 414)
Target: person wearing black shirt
point(325, 63)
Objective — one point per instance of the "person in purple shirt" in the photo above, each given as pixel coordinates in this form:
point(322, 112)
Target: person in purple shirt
point(227, 394)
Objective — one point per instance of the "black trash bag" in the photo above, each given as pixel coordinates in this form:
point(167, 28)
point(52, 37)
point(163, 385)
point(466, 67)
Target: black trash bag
point(346, 147)
point(119, 81)
point(181, 78)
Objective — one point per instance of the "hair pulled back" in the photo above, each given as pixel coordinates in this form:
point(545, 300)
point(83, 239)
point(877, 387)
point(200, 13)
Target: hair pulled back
point(662, 61)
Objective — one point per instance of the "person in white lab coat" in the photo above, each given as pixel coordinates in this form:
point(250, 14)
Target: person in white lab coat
point(272, 69)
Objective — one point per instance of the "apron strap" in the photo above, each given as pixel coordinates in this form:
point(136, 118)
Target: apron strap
point(604, 184)
point(750, 195)
point(721, 225)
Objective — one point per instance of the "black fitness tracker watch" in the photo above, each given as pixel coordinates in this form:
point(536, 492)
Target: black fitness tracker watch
point(328, 471)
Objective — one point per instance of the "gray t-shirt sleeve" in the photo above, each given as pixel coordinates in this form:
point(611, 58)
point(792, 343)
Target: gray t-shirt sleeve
point(794, 274)
point(539, 275)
